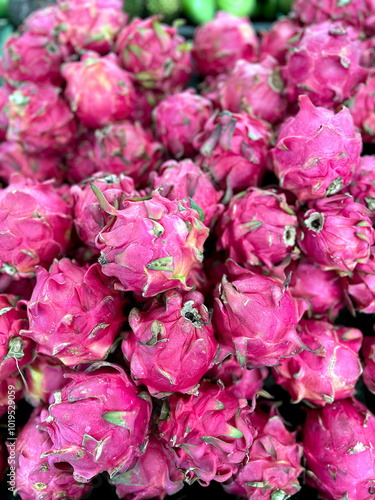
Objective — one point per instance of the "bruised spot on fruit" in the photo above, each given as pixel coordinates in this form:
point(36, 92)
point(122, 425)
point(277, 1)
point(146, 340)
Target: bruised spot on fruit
point(289, 236)
point(191, 314)
point(39, 486)
point(315, 222)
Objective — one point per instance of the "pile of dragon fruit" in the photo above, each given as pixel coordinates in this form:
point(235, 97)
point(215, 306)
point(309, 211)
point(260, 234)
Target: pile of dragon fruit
point(165, 249)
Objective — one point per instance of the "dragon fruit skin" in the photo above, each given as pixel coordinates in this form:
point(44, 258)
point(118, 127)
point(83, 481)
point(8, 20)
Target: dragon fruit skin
point(368, 354)
point(32, 57)
point(127, 148)
point(80, 158)
point(258, 227)
point(338, 445)
point(277, 41)
point(40, 119)
point(99, 91)
point(329, 371)
point(324, 65)
point(316, 152)
point(209, 434)
point(4, 95)
point(256, 317)
point(183, 180)
point(361, 107)
point(119, 419)
point(179, 118)
point(35, 477)
point(337, 233)
point(42, 21)
point(233, 149)
point(73, 315)
point(153, 476)
point(89, 217)
point(362, 187)
point(90, 24)
point(22, 288)
point(151, 245)
point(35, 226)
point(14, 160)
point(273, 464)
point(155, 55)
point(172, 344)
point(361, 285)
point(322, 289)
point(256, 88)
point(220, 43)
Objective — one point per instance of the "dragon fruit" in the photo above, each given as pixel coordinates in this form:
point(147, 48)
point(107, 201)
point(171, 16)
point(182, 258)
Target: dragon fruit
point(42, 21)
point(151, 244)
point(256, 317)
point(316, 152)
point(10, 385)
point(35, 477)
point(361, 285)
point(322, 289)
point(337, 233)
point(99, 91)
point(220, 43)
point(126, 148)
point(327, 371)
point(273, 464)
point(35, 226)
point(278, 40)
point(22, 288)
point(153, 476)
point(258, 228)
point(178, 119)
point(40, 119)
point(339, 449)
point(4, 95)
point(146, 101)
point(183, 180)
point(362, 106)
point(233, 148)
point(80, 158)
point(155, 54)
point(89, 218)
point(256, 88)
point(368, 353)
point(119, 417)
point(32, 57)
point(172, 344)
point(324, 65)
point(43, 377)
point(362, 187)
point(73, 315)
point(90, 24)
point(14, 160)
point(210, 434)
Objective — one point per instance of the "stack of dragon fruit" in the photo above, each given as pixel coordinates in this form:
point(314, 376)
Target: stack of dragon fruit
point(168, 256)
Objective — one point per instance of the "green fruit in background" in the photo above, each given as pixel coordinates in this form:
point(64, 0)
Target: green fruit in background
point(199, 11)
point(285, 6)
point(135, 8)
point(270, 9)
point(168, 9)
point(240, 8)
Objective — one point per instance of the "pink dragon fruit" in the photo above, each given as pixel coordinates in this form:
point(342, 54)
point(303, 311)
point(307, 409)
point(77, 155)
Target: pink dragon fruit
point(97, 422)
point(73, 315)
point(32, 57)
point(153, 476)
point(35, 477)
point(179, 118)
point(328, 370)
point(99, 91)
point(361, 285)
point(322, 289)
point(14, 160)
point(126, 148)
point(362, 187)
point(90, 24)
point(40, 119)
point(198, 280)
point(44, 377)
point(324, 65)
point(4, 95)
point(210, 434)
point(337, 233)
point(22, 288)
point(256, 88)
point(80, 158)
point(258, 228)
point(233, 148)
point(172, 344)
point(15, 351)
point(278, 40)
point(183, 180)
point(42, 21)
point(256, 317)
point(151, 244)
point(146, 101)
point(339, 449)
point(220, 43)
point(155, 54)
point(35, 226)
point(316, 152)
point(368, 353)
point(89, 217)
point(273, 464)
point(13, 386)
point(362, 106)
